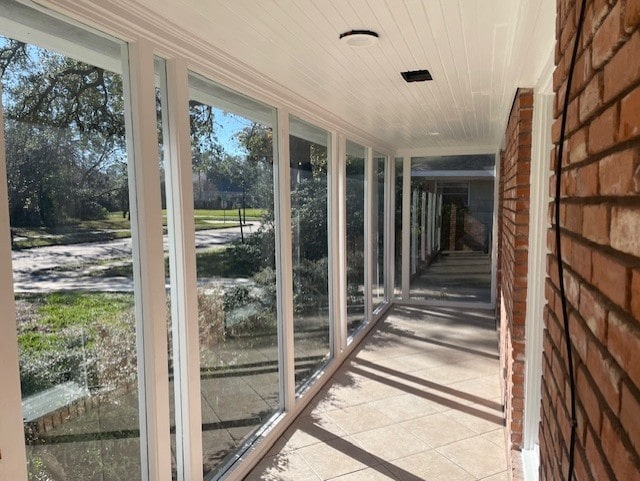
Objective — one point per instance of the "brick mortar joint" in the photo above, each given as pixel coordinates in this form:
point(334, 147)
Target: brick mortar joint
point(596, 113)
point(593, 200)
point(629, 261)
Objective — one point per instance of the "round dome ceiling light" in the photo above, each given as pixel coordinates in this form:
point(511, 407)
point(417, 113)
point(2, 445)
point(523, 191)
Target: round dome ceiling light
point(359, 38)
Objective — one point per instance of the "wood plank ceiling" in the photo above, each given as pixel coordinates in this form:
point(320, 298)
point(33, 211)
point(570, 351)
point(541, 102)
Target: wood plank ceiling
point(478, 51)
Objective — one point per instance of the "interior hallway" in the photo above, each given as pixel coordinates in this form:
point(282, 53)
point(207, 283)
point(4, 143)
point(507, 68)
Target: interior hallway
point(419, 400)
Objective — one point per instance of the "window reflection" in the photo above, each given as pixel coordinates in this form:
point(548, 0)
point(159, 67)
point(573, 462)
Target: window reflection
point(232, 172)
point(71, 238)
point(355, 184)
point(309, 194)
point(378, 229)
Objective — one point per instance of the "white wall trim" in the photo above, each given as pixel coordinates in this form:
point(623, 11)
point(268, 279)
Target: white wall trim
point(538, 226)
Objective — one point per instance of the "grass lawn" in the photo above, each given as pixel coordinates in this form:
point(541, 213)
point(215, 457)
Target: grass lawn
point(52, 313)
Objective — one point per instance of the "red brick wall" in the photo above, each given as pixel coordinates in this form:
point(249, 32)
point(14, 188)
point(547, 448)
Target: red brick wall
point(512, 261)
point(600, 221)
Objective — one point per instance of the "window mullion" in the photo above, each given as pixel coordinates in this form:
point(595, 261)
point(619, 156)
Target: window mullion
point(284, 262)
point(341, 163)
point(12, 449)
point(406, 227)
point(148, 261)
point(336, 247)
point(184, 300)
point(369, 252)
point(389, 222)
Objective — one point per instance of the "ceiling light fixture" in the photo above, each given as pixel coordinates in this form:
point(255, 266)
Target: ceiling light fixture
point(416, 75)
point(359, 38)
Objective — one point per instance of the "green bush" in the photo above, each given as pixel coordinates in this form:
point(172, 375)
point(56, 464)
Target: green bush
point(62, 360)
point(310, 285)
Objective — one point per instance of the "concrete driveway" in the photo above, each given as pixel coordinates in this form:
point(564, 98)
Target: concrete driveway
point(68, 267)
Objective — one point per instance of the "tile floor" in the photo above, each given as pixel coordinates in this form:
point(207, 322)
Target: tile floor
point(419, 400)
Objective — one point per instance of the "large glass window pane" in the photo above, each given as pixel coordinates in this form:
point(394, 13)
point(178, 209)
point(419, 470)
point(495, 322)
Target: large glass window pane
point(309, 184)
point(232, 162)
point(398, 228)
point(71, 240)
point(355, 235)
point(378, 229)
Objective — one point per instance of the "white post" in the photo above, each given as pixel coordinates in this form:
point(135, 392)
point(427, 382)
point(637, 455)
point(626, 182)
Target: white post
point(389, 223)
point(430, 212)
point(406, 227)
point(182, 253)
point(369, 251)
point(336, 245)
point(13, 455)
point(341, 167)
point(423, 222)
point(284, 260)
point(414, 231)
point(148, 261)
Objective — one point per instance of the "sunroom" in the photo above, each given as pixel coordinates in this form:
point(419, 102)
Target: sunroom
point(214, 214)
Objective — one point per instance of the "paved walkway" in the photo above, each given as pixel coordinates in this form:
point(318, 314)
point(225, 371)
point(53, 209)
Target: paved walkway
point(420, 400)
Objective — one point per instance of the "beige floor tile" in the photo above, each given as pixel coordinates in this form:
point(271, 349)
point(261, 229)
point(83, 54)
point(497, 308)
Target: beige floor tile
point(497, 437)
point(337, 457)
point(359, 418)
point(428, 465)
point(417, 362)
point(390, 442)
point(376, 390)
point(485, 387)
point(309, 430)
point(348, 378)
point(478, 456)
point(420, 401)
point(405, 407)
point(478, 418)
point(336, 397)
point(437, 429)
point(504, 476)
point(378, 370)
point(379, 473)
point(283, 467)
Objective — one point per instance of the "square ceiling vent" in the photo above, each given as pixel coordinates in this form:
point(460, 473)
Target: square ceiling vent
point(416, 75)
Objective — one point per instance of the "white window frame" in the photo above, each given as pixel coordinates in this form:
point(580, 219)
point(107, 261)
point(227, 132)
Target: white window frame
point(13, 454)
point(148, 259)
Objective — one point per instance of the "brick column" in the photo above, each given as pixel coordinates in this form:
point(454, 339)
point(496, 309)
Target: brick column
point(513, 242)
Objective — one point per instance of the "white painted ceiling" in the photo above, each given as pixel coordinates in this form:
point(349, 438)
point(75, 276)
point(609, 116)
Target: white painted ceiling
point(478, 51)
